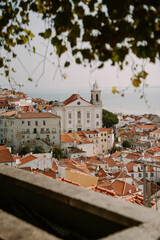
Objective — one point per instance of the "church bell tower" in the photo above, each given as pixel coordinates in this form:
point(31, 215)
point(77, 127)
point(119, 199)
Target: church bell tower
point(96, 95)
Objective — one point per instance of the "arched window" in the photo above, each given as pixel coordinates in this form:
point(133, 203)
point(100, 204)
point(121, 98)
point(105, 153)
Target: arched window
point(97, 97)
point(78, 114)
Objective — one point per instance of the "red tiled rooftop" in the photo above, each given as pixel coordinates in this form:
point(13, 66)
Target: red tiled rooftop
point(122, 188)
point(5, 155)
point(65, 138)
point(27, 159)
point(72, 98)
point(109, 161)
point(38, 115)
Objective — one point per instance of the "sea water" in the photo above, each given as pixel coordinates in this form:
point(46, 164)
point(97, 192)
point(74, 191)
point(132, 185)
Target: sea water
point(135, 101)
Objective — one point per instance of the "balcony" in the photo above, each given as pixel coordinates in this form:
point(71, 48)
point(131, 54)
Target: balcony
point(67, 211)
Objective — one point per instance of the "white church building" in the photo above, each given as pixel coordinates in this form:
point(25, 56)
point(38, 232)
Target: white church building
point(77, 114)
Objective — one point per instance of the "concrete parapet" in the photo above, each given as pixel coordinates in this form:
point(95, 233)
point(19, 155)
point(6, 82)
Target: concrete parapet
point(69, 211)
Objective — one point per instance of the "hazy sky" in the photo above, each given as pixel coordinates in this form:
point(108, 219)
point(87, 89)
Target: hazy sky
point(76, 77)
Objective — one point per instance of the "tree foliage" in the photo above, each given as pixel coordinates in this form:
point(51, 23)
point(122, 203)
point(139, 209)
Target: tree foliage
point(57, 153)
point(108, 119)
point(24, 150)
point(126, 144)
point(115, 149)
point(38, 149)
point(93, 30)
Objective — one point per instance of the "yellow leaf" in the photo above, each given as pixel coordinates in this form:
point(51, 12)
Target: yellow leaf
point(136, 82)
point(114, 90)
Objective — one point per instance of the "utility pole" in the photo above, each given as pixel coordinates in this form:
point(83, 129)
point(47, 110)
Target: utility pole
point(144, 184)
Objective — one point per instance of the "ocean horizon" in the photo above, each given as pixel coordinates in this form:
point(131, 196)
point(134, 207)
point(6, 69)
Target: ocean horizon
point(131, 103)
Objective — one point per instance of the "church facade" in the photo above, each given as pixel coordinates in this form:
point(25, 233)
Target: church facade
point(77, 114)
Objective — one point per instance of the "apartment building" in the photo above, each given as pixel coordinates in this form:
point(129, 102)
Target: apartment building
point(17, 128)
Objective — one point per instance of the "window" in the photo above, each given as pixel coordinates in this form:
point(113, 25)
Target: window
point(97, 123)
point(44, 122)
point(27, 130)
point(140, 174)
point(23, 130)
point(88, 121)
point(101, 140)
point(69, 131)
point(36, 123)
point(78, 114)
point(79, 121)
point(47, 138)
point(69, 115)
point(108, 136)
point(69, 121)
point(35, 130)
point(152, 174)
point(146, 174)
point(23, 136)
point(105, 134)
point(78, 103)
point(12, 122)
point(42, 130)
point(53, 130)
point(29, 123)
point(97, 97)
point(88, 115)
point(132, 174)
point(78, 129)
point(47, 130)
point(105, 140)
point(97, 115)
point(101, 134)
point(23, 122)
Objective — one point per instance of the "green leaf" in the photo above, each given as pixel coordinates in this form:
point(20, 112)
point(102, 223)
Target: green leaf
point(13, 70)
point(6, 73)
point(78, 61)
point(1, 62)
point(101, 66)
point(67, 64)
point(30, 79)
point(46, 34)
point(14, 55)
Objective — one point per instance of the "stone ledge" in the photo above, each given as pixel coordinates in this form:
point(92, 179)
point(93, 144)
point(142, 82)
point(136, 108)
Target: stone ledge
point(71, 206)
point(13, 228)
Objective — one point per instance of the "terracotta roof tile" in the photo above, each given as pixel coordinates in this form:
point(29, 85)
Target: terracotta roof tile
point(72, 98)
point(122, 188)
point(27, 159)
point(37, 115)
point(5, 155)
point(65, 138)
point(110, 162)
